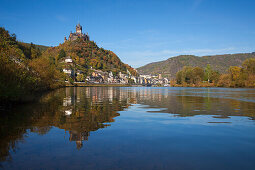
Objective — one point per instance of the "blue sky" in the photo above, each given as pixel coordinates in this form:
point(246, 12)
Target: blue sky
point(138, 31)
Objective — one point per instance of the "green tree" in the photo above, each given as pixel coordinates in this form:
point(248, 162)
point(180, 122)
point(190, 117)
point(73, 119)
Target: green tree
point(179, 77)
point(198, 74)
point(61, 54)
point(208, 73)
point(187, 74)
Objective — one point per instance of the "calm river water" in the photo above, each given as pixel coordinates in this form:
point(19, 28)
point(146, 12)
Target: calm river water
point(131, 128)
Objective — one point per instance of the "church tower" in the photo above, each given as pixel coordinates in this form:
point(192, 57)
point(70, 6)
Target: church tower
point(78, 28)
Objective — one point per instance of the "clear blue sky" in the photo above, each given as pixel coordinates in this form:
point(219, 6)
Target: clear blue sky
point(138, 31)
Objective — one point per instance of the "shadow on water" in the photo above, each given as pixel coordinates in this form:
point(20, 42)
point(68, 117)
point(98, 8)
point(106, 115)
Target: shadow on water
point(84, 109)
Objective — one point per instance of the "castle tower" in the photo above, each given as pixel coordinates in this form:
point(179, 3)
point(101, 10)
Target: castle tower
point(78, 34)
point(78, 28)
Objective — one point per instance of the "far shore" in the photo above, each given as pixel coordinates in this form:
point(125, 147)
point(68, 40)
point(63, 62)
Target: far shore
point(201, 85)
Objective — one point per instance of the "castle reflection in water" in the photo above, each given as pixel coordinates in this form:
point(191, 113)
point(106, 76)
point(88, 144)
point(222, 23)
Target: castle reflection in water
point(87, 109)
point(82, 110)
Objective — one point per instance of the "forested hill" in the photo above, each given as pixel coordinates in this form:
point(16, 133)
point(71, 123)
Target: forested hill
point(24, 70)
point(172, 65)
point(87, 54)
point(27, 69)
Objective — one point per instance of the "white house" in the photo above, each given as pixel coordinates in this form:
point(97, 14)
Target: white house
point(67, 71)
point(68, 60)
point(68, 112)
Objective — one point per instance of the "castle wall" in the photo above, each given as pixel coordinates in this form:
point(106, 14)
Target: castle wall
point(78, 34)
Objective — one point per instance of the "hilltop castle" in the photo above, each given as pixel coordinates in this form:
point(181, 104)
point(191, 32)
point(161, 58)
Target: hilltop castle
point(78, 34)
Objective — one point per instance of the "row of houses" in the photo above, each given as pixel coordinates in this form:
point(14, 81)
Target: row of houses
point(98, 76)
point(102, 77)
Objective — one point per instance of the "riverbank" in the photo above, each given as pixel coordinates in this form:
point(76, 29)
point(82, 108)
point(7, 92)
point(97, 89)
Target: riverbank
point(212, 85)
point(8, 101)
point(76, 84)
point(194, 85)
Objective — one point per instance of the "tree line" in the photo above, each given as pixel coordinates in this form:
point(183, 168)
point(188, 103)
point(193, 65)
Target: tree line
point(243, 76)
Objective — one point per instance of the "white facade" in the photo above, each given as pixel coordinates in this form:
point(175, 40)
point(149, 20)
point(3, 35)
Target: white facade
point(110, 74)
point(68, 60)
point(146, 76)
point(67, 71)
point(68, 112)
point(134, 78)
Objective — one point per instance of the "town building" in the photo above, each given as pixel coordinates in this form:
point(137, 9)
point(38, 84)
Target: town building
point(68, 60)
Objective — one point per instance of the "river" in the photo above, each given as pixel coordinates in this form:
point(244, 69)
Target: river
point(131, 128)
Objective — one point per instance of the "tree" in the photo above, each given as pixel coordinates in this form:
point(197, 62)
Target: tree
point(215, 77)
point(234, 72)
point(35, 52)
point(208, 73)
point(187, 74)
point(61, 54)
point(80, 77)
point(190, 75)
point(224, 80)
point(46, 72)
point(179, 77)
point(198, 74)
point(249, 65)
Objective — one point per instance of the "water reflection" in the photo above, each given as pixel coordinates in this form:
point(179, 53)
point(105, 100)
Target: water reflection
point(79, 111)
point(76, 110)
point(202, 101)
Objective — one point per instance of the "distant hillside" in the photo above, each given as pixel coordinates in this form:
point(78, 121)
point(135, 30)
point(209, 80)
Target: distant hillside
point(40, 47)
point(172, 65)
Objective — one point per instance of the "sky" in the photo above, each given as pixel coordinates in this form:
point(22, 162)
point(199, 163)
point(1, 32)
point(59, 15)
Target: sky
point(138, 31)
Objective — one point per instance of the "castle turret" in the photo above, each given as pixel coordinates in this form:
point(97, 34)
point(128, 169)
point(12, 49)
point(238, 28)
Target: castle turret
point(78, 28)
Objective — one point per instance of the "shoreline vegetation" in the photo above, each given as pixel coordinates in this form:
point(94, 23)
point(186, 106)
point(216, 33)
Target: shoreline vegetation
point(236, 77)
point(25, 72)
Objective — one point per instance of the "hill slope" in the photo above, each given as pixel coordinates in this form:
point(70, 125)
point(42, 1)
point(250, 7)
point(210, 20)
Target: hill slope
point(40, 47)
point(24, 72)
point(172, 65)
point(87, 54)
